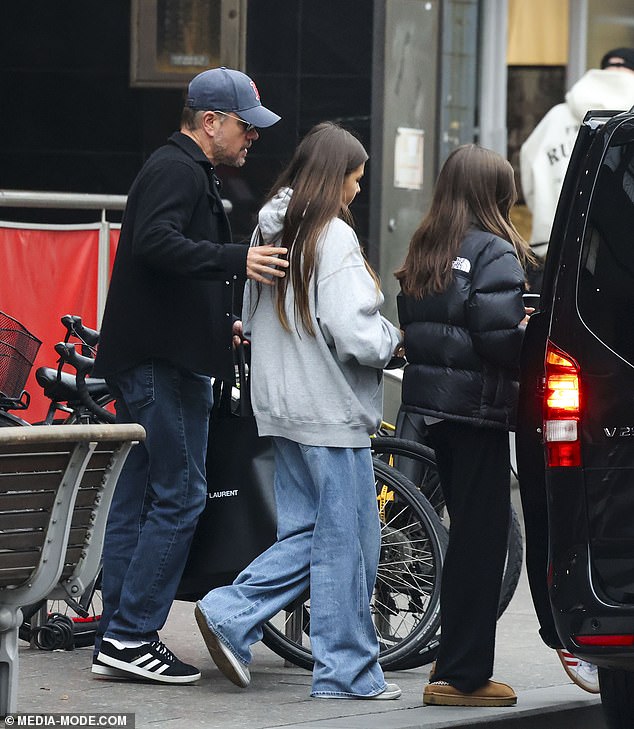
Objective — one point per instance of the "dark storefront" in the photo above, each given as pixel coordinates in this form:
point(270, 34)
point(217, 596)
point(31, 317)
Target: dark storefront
point(71, 121)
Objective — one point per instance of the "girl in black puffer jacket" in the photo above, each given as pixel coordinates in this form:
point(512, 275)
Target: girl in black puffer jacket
point(461, 309)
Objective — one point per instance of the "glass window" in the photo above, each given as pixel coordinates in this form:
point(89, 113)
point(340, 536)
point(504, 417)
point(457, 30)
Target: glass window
point(606, 276)
point(187, 35)
point(173, 40)
point(609, 24)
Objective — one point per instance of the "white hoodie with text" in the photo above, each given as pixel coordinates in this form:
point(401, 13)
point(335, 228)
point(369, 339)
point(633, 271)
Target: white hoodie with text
point(544, 155)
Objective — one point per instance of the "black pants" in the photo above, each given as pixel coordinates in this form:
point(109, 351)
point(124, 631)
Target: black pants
point(474, 468)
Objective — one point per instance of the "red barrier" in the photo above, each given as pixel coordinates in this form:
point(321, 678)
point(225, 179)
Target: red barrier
point(44, 275)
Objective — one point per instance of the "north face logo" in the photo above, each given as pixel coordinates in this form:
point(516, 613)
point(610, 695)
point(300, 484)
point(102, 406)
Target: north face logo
point(461, 264)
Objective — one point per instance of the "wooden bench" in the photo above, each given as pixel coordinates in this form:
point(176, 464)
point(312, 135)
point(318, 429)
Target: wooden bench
point(56, 485)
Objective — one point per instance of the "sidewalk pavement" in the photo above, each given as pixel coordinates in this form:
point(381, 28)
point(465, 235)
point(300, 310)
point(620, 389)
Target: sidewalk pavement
point(279, 696)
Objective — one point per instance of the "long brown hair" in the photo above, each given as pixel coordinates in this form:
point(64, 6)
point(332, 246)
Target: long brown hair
point(475, 188)
point(315, 174)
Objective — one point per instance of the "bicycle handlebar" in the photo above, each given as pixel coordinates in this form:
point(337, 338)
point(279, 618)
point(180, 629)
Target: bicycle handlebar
point(68, 352)
point(75, 327)
point(83, 366)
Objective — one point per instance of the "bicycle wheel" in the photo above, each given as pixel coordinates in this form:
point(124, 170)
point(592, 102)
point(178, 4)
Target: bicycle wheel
point(406, 602)
point(418, 463)
point(74, 628)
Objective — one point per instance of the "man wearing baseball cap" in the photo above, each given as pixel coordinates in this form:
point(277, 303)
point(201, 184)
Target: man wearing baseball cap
point(167, 329)
point(229, 91)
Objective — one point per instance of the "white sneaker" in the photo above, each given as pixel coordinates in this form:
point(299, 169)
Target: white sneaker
point(584, 674)
point(391, 691)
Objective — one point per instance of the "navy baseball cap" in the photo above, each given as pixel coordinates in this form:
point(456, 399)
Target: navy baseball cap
point(223, 89)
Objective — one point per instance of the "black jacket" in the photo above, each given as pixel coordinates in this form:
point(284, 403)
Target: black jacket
point(170, 295)
point(463, 345)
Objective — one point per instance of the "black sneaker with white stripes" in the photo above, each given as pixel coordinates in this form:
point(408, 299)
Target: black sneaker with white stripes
point(152, 661)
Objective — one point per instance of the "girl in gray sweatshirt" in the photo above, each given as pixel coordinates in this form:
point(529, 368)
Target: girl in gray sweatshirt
point(318, 347)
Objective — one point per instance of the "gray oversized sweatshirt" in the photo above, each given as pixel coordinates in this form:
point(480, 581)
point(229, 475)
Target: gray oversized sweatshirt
point(325, 390)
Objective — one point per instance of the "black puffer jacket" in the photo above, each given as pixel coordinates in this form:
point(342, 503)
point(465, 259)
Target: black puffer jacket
point(463, 345)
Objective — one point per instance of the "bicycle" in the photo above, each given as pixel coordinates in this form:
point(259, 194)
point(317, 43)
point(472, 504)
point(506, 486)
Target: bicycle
point(406, 604)
point(78, 398)
point(420, 643)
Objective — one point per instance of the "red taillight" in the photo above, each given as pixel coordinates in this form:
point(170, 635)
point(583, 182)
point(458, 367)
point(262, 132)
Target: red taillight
point(562, 407)
point(606, 640)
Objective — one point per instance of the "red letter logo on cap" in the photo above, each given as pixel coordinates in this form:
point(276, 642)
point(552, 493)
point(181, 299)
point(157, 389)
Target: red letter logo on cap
point(255, 90)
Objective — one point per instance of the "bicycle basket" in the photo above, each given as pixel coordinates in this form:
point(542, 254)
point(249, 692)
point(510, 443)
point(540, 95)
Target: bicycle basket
point(18, 349)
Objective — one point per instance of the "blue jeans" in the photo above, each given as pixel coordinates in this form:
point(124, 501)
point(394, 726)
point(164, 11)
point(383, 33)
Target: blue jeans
point(328, 536)
point(159, 496)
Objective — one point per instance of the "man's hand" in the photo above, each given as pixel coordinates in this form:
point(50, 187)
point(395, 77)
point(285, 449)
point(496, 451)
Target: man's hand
point(263, 262)
point(237, 332)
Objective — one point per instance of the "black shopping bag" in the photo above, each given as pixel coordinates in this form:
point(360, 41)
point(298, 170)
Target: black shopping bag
point(239, 521)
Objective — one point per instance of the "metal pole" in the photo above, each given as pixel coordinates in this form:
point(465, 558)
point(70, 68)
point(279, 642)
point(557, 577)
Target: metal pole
point(493, 132)
point(62, 200)
point(577, 41)
point(103, 266)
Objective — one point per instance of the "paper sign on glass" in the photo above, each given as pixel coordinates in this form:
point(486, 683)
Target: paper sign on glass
point(408, 158)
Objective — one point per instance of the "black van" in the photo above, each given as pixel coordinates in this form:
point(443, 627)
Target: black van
point(575, 437)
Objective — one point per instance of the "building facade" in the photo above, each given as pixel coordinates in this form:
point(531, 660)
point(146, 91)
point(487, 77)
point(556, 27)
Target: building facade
point(89, 89)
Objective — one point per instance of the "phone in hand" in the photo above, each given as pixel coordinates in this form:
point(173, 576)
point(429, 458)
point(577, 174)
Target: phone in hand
point(531, 300)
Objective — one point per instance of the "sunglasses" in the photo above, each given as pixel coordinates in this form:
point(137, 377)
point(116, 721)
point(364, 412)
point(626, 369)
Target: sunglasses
point(247, 127)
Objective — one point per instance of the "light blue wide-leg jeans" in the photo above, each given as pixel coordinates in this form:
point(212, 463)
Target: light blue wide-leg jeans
point(328, 534)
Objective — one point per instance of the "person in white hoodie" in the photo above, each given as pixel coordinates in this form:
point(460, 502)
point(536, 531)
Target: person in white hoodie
point(318, 347)
point(544, 155)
